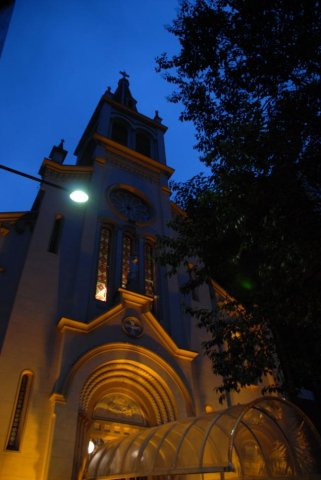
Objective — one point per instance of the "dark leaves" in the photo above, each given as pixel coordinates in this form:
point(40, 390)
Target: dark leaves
point(248, 76)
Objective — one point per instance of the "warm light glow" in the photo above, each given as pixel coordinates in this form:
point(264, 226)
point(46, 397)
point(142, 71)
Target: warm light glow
point(91, 447)
point(209, 408)
point(79, 196)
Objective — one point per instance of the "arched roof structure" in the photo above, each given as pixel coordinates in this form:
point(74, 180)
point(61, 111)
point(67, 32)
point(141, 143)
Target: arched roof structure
point(266, 439)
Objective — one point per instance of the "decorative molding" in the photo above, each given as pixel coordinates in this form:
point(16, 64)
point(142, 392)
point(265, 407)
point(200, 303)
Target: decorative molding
point(135, 300)
point(12, 217)
point(68, 324)
point(166, 190)
point(132, 326)
point(128, 166)
point(57, 398)
point(65, 169)
point(143, 385)
point(101, 161)
point(132, 155)
point(124, 351)
point(142, 304)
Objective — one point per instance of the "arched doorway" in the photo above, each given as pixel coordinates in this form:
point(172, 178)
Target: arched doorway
point(120, 398)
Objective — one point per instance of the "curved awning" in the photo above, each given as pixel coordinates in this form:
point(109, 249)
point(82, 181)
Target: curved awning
point(266, 439)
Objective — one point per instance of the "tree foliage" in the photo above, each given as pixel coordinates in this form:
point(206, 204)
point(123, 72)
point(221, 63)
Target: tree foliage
point(248, 76)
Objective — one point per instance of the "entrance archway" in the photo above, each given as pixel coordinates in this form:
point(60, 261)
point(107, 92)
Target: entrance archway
point(120, 398)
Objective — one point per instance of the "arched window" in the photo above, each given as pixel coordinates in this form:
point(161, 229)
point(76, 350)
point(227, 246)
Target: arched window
point(119, 132)
point(143, 143)
point(20, 412)
point(127, 254)
point(56, 234)
point(149, 269)
point(102, 282)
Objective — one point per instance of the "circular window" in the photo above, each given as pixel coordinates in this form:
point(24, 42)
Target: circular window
point(130, 206)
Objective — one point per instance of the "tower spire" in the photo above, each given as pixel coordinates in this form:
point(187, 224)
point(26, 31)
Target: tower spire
point(123, 94)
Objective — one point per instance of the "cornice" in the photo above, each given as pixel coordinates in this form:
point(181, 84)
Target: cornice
point(180, 353)
point(132, 155)
point(55, 167)
point(12, 216)
point(68, 324)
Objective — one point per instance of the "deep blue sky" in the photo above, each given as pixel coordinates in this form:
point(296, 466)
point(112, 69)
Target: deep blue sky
point(58, 59)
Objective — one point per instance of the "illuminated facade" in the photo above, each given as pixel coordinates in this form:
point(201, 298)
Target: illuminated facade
point(95, 344)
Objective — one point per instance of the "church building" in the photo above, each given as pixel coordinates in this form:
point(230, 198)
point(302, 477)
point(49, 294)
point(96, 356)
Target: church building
point(101, 369)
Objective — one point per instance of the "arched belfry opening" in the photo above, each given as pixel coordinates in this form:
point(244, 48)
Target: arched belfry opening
point(120, 131)
point(120, 398)
point(143, 143)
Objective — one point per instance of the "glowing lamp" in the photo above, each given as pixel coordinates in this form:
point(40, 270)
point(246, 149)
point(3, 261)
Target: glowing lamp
point(79, 196)
point(91, 447)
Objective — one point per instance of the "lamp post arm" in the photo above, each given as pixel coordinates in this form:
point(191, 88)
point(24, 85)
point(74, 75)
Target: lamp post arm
point(31, 177)
point(78, 196)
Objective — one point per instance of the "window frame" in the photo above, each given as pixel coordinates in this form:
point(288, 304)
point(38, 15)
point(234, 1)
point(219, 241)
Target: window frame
point(20, 412)
point(107, 272)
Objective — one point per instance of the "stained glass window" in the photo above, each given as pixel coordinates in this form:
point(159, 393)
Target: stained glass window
point(19, 413)
point(149, 269)
point(127, 253)
point(103, 265)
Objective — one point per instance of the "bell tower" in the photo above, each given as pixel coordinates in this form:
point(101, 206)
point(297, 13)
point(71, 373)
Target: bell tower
point(129, 204)
point(116, 118)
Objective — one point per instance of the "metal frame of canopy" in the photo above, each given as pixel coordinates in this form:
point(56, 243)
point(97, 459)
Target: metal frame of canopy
point(269, 438)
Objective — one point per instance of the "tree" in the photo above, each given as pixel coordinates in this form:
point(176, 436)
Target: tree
point(248, 76)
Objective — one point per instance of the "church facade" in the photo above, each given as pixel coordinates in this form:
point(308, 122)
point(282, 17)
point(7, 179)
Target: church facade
point(96, 347)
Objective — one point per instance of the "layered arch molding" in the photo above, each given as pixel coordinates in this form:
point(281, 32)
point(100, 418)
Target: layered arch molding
point(127, 378)
point(115, 390)
point(131, 367)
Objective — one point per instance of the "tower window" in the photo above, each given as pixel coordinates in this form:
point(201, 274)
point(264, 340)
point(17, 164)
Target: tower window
point(149, 269)
point(102, 283)
point(119, 132)
point(127, 253)
point(56, 234)
point(143, 143)
point(19, 412)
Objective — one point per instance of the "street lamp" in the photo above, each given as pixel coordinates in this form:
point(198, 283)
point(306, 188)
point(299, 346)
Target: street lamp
point(78, 196)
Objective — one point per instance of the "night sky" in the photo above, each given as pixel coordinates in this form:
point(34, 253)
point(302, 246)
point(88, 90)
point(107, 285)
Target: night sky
point(58, 59)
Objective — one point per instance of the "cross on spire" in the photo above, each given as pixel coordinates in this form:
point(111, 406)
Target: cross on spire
point(124, 74)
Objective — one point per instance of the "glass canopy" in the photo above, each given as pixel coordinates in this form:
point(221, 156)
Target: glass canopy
point(266, 439)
